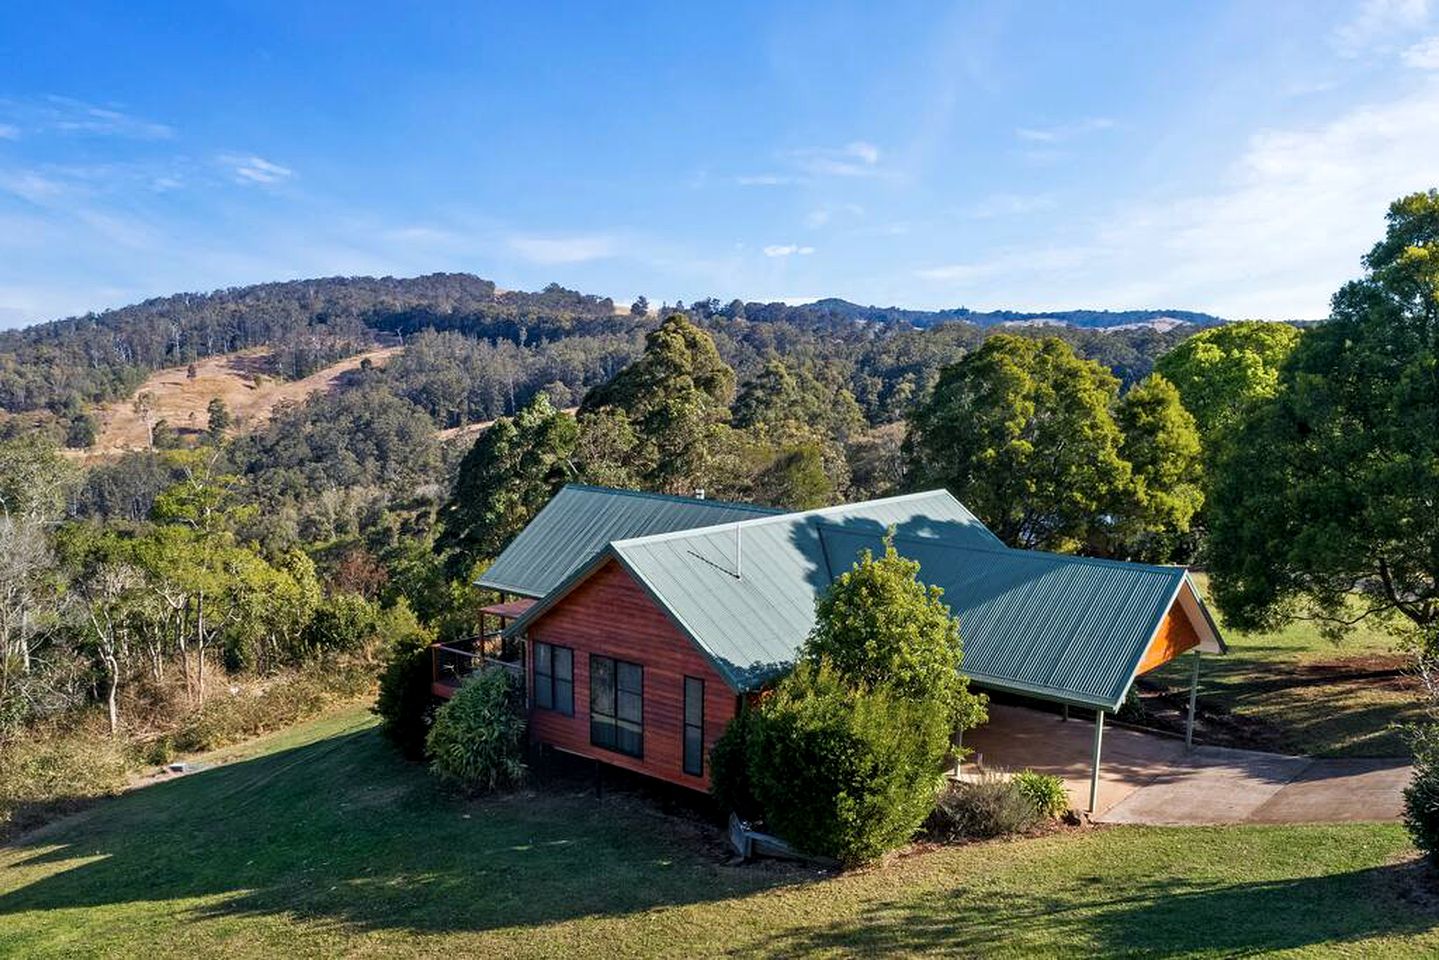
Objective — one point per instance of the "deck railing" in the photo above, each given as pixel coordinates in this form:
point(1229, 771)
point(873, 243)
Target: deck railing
point(452, 662)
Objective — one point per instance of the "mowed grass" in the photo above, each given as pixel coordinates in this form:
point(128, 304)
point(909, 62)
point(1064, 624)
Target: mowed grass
point(1310, 695)
point(320, 842)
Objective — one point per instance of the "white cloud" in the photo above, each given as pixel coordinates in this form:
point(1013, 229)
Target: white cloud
point(9, 131)
point(764, 180)
point(31, 186)
point(549, 250)
point(1011, 205)
point(1064, 131)
point(859, 158)
point(787, 250)
point(1377, 25)
point(68, 115)
point(1283, 230)
point(823, 215)
point(1423, 55)
point(256, 170)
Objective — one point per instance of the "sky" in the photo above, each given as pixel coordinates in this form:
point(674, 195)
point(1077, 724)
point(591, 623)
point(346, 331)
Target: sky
point(1235, 157)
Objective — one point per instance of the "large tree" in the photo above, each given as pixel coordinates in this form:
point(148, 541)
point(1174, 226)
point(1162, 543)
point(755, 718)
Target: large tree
point(1161, 444)
point(1326, 503)
point(1022, 432)
point(677, 397)
point(1223, 371)
point(509, 474)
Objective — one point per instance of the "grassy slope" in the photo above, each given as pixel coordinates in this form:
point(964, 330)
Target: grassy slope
point(1285, 680)
point(321, 842)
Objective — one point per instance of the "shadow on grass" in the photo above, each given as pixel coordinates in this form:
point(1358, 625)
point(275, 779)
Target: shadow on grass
point(341, 830)
point(1153, 918)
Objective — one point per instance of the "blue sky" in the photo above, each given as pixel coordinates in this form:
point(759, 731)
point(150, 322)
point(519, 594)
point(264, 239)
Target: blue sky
point(1232, 157)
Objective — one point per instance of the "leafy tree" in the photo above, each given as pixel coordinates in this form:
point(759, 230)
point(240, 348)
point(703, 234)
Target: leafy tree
point(1223, 371)
point(1328, 489)
point(878, 625)
point(640, 308)
point(343, 623)
point(677, 397)
point(1161, 445)
point(795, 479)
point(512, 471)
point(1022, 432)
point(219, 418)
point(83, 431)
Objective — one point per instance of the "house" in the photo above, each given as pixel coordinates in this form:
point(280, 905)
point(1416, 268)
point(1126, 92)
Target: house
point(645, 620)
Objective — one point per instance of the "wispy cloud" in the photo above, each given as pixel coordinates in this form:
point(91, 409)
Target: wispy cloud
point(1064, 131)
point(1423, 55)
point(825, 214)
point(77, 117)
point(787, 250)
point(1011, 205)
point(8, 131)
point(1377, 25)
point(576, 249)
point(30, 185)
point(250, 169)
point(859, 158)
point(764, 180)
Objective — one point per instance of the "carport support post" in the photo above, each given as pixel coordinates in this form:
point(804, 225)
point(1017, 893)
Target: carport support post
point(1193, 695)
point(1094, 769)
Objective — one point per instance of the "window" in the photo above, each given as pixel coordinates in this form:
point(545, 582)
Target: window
point(694, 742)
point(617, 691)
point(555, 678)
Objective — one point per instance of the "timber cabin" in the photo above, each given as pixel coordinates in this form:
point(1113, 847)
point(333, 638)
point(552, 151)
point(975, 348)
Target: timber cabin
point(640, 622)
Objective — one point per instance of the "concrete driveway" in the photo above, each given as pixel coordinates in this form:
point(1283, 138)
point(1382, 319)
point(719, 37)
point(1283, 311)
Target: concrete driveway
point(1146, 778)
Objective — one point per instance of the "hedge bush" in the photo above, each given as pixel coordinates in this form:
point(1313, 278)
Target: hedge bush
point(406, 704)
point(478, 737)
point(1421, 797)
point(729, 768)
point(843, 773)
point(1045, 792)
point(992, 806)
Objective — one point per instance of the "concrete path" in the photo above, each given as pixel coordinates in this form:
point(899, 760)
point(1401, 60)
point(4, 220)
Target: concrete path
point(1151, 779)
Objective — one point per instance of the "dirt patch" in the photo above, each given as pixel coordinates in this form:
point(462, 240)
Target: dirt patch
point(241, 380)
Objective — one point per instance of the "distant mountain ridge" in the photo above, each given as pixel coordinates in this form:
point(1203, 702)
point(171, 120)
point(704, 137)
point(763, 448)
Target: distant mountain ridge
point(1092, 319)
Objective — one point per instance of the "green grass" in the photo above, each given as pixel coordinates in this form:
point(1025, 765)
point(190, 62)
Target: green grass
point(1285, 684)
point(320, 842)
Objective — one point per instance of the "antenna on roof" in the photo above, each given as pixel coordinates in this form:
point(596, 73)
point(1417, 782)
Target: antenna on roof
point(699, 493)
point(738, 555)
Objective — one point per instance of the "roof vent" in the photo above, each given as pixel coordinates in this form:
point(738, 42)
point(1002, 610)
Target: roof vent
point(699, 493)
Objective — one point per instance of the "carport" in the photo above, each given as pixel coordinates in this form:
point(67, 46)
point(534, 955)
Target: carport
point(1073, 631)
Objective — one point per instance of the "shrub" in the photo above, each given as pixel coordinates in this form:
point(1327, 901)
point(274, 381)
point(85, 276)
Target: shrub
point(51, 769)
point(405, 702)
point(991, 806)
point(1045, 793)
point(843, 773)
point(477, 740)
point(1132, 709)
point(1421, 797)
point(729, 768)
point(250, 711)
point(345, 622)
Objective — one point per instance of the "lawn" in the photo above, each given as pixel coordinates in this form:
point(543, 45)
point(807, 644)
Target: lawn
point(320, 841)
point(1295, 692)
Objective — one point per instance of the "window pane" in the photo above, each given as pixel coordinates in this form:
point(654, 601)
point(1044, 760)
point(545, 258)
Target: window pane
point(631, 677)
point(544, 694)
point(694, 701)
point(631, 708)
point(565, 697)
point(564, 663)
point(602, 733)
point(542, 658)
point(631, 742)
point(694, 751)
point(602, 685)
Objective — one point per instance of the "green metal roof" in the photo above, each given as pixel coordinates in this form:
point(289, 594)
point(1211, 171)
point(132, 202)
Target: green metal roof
point(581, 520)
point(1071, 629)
point(745, 591)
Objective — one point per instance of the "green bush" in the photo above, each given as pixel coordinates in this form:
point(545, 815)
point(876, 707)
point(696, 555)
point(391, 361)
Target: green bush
point(343, 623)
point(843, 773)
point(1421, 797)
point(405, 703)
point(478, 737)
point(1045, 792)
point(992, 806)
point(729, 768)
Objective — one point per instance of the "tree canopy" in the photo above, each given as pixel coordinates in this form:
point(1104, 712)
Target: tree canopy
point(1329, 488)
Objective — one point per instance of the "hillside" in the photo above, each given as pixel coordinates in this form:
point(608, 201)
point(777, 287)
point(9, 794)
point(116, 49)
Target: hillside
point(244, 380)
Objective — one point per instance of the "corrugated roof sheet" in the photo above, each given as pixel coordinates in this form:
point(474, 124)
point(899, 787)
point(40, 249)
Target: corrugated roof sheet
point(581, 520)
point(1066, 628)
point(1072, 629)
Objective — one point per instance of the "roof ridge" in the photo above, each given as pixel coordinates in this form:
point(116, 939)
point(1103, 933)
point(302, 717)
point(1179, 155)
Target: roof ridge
point(675, 498)
point(1026, 552)
point(789, 515)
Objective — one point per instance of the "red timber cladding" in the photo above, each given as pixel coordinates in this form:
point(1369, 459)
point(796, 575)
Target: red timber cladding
point(612, 615)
